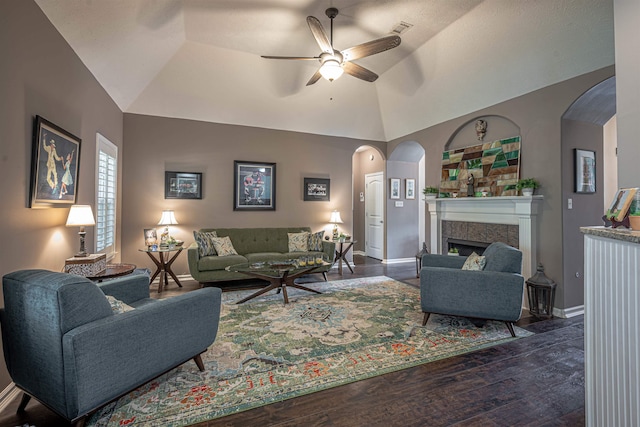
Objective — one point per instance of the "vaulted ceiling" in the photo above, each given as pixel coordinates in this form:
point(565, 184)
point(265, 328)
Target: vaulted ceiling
point(200, 59)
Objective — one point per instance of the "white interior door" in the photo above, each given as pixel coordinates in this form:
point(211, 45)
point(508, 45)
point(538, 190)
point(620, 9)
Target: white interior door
point(374, 215)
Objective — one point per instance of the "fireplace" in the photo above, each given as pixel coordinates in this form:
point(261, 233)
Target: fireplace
point(466, 247)
point(510, 219)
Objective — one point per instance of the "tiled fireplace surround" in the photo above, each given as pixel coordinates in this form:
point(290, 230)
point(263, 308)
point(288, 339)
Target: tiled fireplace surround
point(512, 220)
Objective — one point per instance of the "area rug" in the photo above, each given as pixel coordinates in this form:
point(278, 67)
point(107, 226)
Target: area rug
point(266, 351)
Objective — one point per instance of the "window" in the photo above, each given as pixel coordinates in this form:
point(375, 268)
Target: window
point(106, 195)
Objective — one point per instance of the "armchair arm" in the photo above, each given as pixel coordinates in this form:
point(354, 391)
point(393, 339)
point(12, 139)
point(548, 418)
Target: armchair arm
point(127, 289)
point(329, 248)
point(482, 294)
point(436, 260)
point(193, 256)
point(108, 357)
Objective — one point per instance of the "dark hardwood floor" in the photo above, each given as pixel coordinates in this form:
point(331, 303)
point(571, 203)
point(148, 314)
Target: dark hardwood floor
point(534, 381)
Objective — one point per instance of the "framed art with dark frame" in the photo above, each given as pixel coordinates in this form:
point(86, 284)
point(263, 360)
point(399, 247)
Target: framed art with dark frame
point(585, 170)
point(254, 186)
point(317, 189)
point(182, 185)
point(55, 162)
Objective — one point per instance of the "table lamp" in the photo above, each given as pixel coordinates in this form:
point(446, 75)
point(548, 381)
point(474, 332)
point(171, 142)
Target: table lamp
point(168, 218)
point(335, 220)
point(80, 216)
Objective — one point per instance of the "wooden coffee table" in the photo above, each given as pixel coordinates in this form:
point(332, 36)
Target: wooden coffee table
point(279, 275)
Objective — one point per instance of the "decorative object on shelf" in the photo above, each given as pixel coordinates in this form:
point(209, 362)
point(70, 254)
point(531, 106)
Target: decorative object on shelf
point(55, 162)
point(182, 185)
point(542, 294)
point(585, 171)
point(80, 216)
point(430, 192)
point(150, 237)
point(618, 211)
point(493, 165)
point(481, 129)
point(527, 186)
point(168, 218)
point(410, 188)
point(453, 252)
point(634, 212)
point(395, 188)
point(254, 186)
point(335, 220)
point(316, 189)
point(470, 185)
point(86, 266)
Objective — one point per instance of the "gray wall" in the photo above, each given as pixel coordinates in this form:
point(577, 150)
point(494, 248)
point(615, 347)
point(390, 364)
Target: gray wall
point(538, 115)
point(362, 165)
point(41, 75)
point(156, 144)
point(402, 222)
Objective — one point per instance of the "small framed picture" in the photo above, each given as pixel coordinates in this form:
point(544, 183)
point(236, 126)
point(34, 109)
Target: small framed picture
point(182, 185)
point(395, 188)
point(150, 237)
point(585, 170)
point(620, 204)
point(316, 189)
point(410, 188)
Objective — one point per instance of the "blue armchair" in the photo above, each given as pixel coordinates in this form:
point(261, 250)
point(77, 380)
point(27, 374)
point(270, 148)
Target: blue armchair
point(494, 293)
point(65, 346)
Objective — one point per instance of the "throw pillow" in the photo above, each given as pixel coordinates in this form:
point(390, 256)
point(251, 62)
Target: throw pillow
point(474, 262)
point(315, 241)
point(118, 306)
point(205, 242)
point(298, 242)
point(223, 246)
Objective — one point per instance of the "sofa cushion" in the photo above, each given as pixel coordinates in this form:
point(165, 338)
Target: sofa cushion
point(315, 241)
point(118, 306)
point(298, 242)
point(223, 246)
point(211, 263)
point(205, 242)
point(474, 262)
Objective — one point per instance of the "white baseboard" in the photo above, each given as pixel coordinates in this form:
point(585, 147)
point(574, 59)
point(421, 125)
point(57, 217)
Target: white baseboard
point(361, 253)
point(8, 395)
point(569, 312)
point(398, 260)
point(179, 276)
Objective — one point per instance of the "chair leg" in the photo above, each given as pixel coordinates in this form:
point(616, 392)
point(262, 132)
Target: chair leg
point(426, 318)
point(324, 274)
point(510, 327)
point(23, 402)
point(80, 422)
point(198, 360)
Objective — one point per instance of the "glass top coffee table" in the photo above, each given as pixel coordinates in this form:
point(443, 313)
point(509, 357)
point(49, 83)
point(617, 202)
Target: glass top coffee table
point(279, 275)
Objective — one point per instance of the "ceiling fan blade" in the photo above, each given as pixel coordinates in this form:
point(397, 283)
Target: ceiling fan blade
point(360, 72)
point(371, 48)
point(319, 34)
point(300, 58)
point(314, 78)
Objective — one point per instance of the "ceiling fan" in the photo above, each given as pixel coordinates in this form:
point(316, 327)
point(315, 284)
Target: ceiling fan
point(334, 62)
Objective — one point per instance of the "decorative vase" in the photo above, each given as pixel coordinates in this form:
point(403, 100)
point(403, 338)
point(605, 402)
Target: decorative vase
point(430, 196)
point(527, 191)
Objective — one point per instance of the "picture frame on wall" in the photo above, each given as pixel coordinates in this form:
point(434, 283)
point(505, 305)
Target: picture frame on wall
point(55, 162)
point(394, 188)
point(254, 186)
point(410, 188)
point(182, 185)
point(585, 171)
point(316, 189)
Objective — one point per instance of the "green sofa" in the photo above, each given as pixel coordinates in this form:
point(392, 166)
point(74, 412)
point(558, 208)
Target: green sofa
point(252, 245)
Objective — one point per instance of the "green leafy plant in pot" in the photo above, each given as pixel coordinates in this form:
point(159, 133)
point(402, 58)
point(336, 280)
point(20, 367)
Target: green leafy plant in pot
point(527, 185)
point(430, 192)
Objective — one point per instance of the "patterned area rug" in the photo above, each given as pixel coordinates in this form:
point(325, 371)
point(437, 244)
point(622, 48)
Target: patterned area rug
point(267, 352)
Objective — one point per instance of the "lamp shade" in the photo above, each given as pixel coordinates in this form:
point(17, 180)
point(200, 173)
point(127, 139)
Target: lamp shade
point(335, 218)
point(80, 215)
point(168, 218)
point(331, 69)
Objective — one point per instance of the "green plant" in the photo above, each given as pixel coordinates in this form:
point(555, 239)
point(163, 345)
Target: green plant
point(430, 190)
point(453, 250)
point(527, 183)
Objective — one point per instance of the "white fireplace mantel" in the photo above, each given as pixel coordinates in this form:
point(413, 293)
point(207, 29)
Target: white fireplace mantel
point(513, 210)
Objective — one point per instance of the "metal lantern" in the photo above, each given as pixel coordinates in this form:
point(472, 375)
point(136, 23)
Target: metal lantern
point(423, 251)
point(542, 294)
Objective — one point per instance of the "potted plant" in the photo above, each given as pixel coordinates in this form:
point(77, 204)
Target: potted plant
point(430, 192)
point(453, 252)
point(527, 185)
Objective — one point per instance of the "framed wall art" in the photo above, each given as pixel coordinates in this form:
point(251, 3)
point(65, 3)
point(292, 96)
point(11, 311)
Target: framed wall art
point(182, 185)
point(410, 188)
point(316, 189)
point(254, 186)
point(55, 162)
point(585, 171)
point(395, 188)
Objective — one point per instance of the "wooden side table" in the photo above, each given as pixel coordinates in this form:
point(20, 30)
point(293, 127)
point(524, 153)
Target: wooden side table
point(342, 249)
point(113, 270)
point(163, 265)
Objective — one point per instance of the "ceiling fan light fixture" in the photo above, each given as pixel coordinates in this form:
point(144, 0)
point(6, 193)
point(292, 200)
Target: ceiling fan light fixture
point(331, 70)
